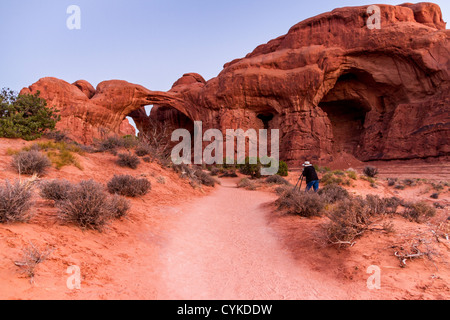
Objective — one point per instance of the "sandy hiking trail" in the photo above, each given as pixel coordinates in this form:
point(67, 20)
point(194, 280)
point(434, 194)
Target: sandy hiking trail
point(223, 248)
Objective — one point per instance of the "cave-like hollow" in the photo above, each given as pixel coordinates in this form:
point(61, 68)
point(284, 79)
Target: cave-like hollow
point(347, 105)
point(347, 118)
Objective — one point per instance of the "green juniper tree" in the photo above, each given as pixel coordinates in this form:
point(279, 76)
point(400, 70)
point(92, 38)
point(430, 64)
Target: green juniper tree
point(25, 116)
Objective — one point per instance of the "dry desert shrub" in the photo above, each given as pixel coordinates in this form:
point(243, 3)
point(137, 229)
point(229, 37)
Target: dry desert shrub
point(32, 257)
point(334, 178)
point(119, 206)
point(246, 183)
point(143, 150)
point(112, 143)
point(86, 205)
point(370, 171)
point(435, 196)
point(375, 204)
point(229, 174)
point(333, 193)
point(278, 180)
point(161, 180)
point(438, 186)
point(304, 204)
point(215, 171)
point(60, 154)
point(349, 219)
point(157, 138)
point(195, 176)
point(204, 178)
point(378, 205)
point(128, 186)
point(56, 190)
point(57, 136)
point(391, 204)
point(31, 162)
point(128, 160)
point(409, 182)
point(280, 190)
point(184, 170)
point(392, 182)
point(419, 212)
point(15, 202)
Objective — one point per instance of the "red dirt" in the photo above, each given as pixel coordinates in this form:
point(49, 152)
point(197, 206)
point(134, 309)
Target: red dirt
point(227, 243)
point(231, 253)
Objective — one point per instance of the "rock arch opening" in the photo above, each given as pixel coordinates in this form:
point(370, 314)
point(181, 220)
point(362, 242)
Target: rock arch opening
point(172, 118)
point(147, 117)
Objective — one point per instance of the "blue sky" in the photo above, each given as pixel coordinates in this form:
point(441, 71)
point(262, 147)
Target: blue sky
point(151, 43)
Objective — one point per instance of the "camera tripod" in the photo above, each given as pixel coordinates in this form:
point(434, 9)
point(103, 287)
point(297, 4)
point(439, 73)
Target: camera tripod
point(300, 180)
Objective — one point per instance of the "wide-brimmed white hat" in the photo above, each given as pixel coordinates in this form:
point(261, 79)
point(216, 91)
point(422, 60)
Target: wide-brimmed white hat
point(307, 164)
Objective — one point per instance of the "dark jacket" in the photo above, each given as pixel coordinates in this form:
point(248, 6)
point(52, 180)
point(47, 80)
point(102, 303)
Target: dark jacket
point(310, 174)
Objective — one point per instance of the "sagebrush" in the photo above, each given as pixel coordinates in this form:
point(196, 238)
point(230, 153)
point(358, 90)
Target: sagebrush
point(128, 160)
point(419, 212)
point(276, 179)
point(56, 190)
point(15, 202)
point(304, 204)
point(349, 219)
point(370, 171)
point(31, 162)
point(333, 193)
point(86, 205)
point(119, 206)
point(128, 186)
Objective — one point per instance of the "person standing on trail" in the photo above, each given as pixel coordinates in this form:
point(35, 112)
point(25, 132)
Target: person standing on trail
point(312, 180)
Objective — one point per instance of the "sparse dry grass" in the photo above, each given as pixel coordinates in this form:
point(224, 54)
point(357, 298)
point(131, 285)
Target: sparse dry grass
point(60, 154)
point(31, 258)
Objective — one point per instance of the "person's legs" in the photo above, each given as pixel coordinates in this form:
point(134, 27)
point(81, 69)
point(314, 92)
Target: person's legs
point(309, 186)
point(316, 185)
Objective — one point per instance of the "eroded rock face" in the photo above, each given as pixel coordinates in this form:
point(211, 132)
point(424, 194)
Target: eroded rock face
point(331, 85)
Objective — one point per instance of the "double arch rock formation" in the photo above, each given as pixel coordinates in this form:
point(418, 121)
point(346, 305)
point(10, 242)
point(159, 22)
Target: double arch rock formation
point(331, 85)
